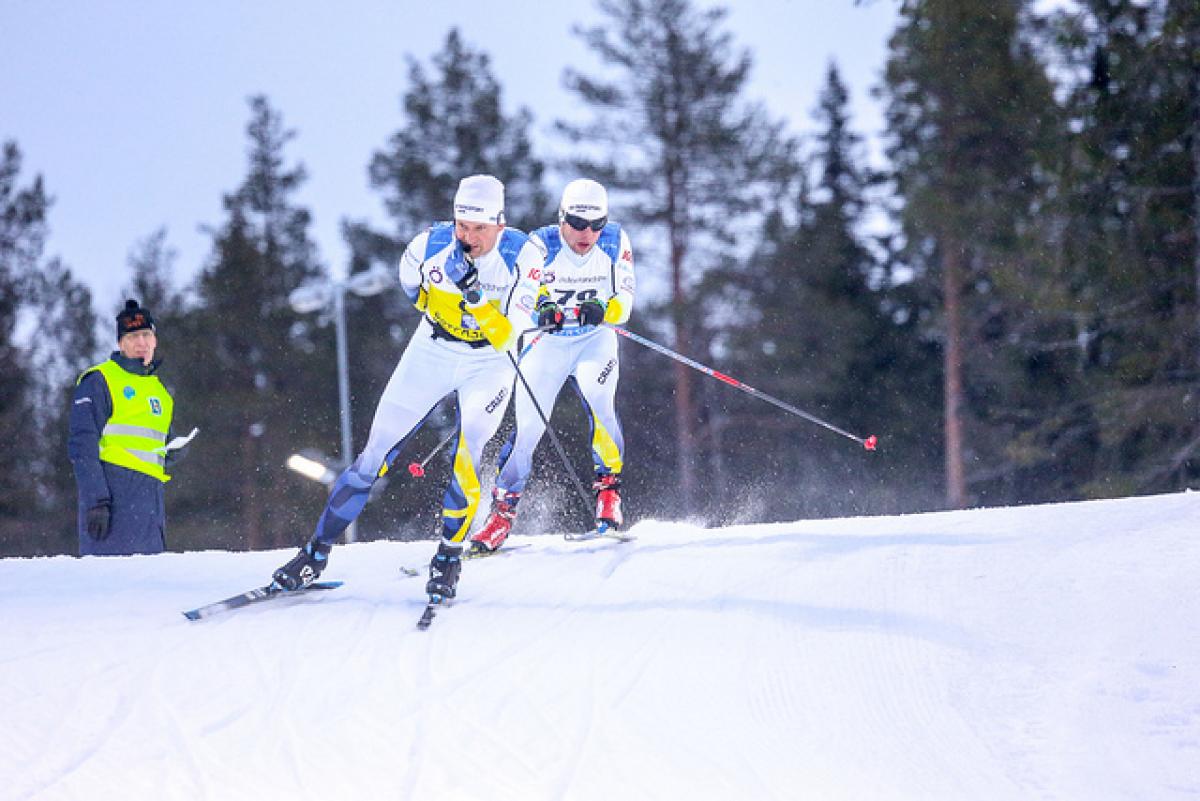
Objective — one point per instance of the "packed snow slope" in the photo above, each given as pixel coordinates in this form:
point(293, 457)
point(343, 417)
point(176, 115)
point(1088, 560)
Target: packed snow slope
point(1048, 652)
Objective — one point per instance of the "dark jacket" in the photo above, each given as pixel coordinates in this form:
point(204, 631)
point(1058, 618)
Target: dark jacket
point(138, 521)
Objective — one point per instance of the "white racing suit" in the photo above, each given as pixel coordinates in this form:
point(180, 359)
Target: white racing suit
point(453, 350)
point(586, 354)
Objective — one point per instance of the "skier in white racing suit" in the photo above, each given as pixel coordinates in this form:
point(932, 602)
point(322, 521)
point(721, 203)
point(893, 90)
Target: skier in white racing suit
point(588, 278)
point(466, 278)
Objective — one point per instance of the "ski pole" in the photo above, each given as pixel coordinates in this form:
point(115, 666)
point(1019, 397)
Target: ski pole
point(417, 469)
point(867, 442)
point(562, 454)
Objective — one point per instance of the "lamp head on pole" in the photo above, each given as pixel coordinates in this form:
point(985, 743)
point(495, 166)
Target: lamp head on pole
point(310, 297)
point(370, 282)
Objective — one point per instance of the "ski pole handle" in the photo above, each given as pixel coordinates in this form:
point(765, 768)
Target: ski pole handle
point(538, 329)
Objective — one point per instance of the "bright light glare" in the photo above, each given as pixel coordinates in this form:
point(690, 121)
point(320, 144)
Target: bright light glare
point(310, 468)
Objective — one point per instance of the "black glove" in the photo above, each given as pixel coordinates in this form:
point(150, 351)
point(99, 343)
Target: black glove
point(591, 312)
point(550, 315)
point(98, 519)
point(468, 284)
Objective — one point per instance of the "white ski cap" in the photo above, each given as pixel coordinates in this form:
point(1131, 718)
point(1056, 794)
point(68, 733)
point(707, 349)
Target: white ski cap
point(480, 198)
point(584, 198)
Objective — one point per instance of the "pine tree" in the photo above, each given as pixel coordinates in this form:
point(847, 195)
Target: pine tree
point(152, 263)
point(813, 327)
point(970, 112)
point(1126, 249)
point(22, 239)
point(252, 374)
point(687, 160)
point(454, 126)
point(64, 344)
point(37, 502)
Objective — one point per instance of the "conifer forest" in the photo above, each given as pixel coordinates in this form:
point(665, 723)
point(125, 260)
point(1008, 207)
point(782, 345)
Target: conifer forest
point(1011, 304)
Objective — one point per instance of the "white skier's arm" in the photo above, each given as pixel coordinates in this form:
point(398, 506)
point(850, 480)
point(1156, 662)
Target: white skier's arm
point(522, 298)
point(624, 285)
point(412, 273)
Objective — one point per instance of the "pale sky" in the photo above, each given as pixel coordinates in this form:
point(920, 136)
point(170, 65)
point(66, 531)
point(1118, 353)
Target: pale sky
point(134, 111)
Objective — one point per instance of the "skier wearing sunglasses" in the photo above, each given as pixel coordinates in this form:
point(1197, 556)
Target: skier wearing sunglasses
point(587, 280)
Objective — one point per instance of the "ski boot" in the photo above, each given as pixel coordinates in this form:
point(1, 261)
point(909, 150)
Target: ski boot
point(443, 571)
point(499, 523)
point(608, 500)
point(305, 567)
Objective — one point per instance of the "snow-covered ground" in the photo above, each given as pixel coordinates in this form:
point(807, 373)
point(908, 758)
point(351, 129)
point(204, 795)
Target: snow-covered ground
point(1048, 652)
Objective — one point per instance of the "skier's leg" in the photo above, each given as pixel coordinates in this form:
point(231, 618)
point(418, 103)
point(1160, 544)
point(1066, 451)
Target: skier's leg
point(545, 368)
point(510, 472)
point(596, 376)
point(482, 400)
point(411, 393)
point(483, 396)
point(350, 491)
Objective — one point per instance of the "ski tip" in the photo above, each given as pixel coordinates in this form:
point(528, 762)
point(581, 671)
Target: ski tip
point(325, 585)
point(194, 614)
point(600, 533)
point(483, 553)
point(477, 551)
point(431, 609)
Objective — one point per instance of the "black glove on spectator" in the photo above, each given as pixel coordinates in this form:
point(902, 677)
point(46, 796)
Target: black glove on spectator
point(98, 519)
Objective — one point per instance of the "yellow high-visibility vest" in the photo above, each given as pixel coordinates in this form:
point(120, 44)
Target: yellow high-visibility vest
point(135, 436)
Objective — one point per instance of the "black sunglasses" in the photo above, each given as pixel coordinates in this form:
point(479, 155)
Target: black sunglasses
point(578, 223)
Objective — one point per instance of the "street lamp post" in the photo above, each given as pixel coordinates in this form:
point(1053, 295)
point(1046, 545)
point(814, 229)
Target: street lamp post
point(319, 296)
point(343, 370)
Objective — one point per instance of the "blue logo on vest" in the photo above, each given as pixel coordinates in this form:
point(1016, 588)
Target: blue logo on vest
point(128, 393)
point(156, 406)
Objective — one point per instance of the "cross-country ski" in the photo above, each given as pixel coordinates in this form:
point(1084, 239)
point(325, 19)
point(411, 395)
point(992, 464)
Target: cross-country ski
point(254, 596)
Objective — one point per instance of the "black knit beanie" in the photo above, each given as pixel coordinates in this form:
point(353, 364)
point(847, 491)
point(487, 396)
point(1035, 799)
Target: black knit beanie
point(133, 318)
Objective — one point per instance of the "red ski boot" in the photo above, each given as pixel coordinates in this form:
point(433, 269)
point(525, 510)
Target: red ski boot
point(608, 500)
point(499, 523)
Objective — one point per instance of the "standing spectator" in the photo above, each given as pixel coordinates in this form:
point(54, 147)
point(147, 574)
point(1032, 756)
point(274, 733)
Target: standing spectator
point(119, 427)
